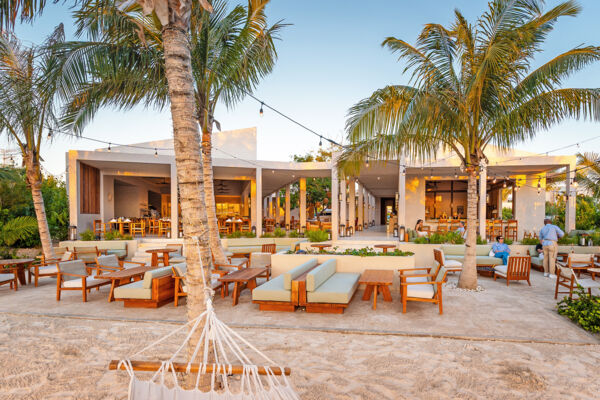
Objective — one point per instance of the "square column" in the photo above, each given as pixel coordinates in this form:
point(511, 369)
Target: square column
point(352, 202)
point(270, 206)
point(302, 202)
point(278, 207)
point(483, 199)
point(402, 192)
point(287, 205)
point(174, 203)
point(360, 210)
point(343, 211)
point(335, 204)
point(365, 207)
point(571, 197)
point(257, 203)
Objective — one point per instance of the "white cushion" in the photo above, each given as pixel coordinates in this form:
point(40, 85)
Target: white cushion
point(238, 261)
point(50, 269)
point(589, 283)
point(90, 281)
point(420, 291)
point(6, 277)
point(416, 279)
point(452, 263)
point(501, 270)
point(491, 254)
point(128, 265)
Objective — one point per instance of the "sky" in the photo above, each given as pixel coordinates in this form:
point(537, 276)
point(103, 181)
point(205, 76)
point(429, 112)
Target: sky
point(328, 59)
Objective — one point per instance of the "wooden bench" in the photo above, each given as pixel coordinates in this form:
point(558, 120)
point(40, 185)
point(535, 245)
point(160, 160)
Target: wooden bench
point(155, 290)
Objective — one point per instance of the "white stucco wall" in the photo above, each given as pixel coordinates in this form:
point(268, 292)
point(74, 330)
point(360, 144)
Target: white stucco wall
point(415, 200)
point(530, 207)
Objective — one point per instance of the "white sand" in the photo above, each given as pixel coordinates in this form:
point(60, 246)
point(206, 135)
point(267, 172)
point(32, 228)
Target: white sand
point(66, 358)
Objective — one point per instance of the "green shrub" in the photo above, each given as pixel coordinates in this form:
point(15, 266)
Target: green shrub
point(317, 236)
point(126, 237)
point(235, 235)
point(279, 233)
point(508, 241)
point(568, 240)
point(249, 235)
point(481, 241)
point(362, 252)
point(585, 310)
point(87, 235)
point(116, 235)
point(421, 240)
point(268, 235)
point(595, 238)
point(293, 234)
point(7, 253)
point(530, 241)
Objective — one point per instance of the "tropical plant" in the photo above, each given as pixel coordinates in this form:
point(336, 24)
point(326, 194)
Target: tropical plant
point(587, 175)
point(583, 310)
point(279, 233)
point(19, 228)
point(88, 235)
point(318, 190)
point(507, 213)
point(317, 235)
point(231, 51)
point(31, 93)
point(472, 86)
point(530, 241)
point(587, 212)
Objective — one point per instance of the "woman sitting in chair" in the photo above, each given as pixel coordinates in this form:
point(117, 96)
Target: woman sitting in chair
point(419, 228)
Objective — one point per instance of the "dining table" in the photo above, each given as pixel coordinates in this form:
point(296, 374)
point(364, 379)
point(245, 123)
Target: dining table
point(165, 252)
point(121, 224)
point(19, 264)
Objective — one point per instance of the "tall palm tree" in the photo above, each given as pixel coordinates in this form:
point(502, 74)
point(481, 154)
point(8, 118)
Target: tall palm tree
point(231, 52)
point(472, 86)
point(30, 85)
point(588, 176)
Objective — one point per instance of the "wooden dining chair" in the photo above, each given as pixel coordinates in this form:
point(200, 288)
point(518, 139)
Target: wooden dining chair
point(512, 227)
point(164, 227)
point(269, 248)
point(518, 269)
point(9, 276)
point(99, 227)
point(138, 228)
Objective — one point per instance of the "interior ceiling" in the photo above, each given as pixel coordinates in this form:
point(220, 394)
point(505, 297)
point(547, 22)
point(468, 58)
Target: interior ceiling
point(228, 187)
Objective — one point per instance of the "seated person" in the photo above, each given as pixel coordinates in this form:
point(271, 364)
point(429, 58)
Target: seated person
point(461, 229)
point(539, 249)
point(501, 250)
point(419, 228)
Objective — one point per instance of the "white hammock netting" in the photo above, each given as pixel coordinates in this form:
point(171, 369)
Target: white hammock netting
point(218, 354)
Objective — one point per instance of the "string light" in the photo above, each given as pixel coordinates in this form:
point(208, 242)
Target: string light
point(494, 180)
point(109, 147)
point(504, 184)
point(261, 112)
point(320, 141)
point(455, 175)
point(367, 163)
point(155, 152)
point(50, 134)
point(575, 184)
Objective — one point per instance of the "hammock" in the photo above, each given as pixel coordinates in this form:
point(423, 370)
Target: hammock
point(228, 360)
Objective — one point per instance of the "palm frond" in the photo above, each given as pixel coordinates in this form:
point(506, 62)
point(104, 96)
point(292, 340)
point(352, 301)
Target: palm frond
point(19, 228)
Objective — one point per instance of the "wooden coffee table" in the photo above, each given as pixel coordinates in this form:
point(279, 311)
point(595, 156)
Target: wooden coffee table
point(165, 252)
point(243, 278)
point(321, 246)
point(123, 277)
point(385, 247)
point(377, 280)
point(19, 264)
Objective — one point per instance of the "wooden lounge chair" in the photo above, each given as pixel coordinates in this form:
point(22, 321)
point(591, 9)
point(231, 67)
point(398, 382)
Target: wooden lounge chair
point(111, 262)
point(48, 268)
point(577, 262)
point(73, 275)
point(428, 291)
point(87, 254)
point(567, 277)
point(9, 276)
point(518, 269)
point(261, 260)
point(450, 265)
point(180, 290)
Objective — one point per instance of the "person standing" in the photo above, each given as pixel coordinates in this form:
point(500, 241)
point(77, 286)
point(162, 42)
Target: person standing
point(501, 250)
point(549, 236)
point(461, 229)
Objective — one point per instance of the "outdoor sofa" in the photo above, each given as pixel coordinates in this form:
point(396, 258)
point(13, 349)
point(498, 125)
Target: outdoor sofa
point(252, 245)
point(328, 291)
point(457, 252)
point(155, 290)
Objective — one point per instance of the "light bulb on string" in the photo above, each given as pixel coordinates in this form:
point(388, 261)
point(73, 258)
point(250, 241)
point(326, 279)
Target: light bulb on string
point(504, 184)
point(50, 134)
point(494, 180)
point(261, 112)
point(109, 147)
point(320, 141)
point(367, 163)
point(155, 152)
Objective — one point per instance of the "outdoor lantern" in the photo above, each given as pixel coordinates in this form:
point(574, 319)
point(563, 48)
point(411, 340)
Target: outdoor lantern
point(328, 234)
point(342, 230)
point(396, 230)
point(169, 234)
point(402, 234)
point(72, 232)
point(303, 229)
point(359, 227)
point(350, 231)
point(287, 227)
point(253, 230)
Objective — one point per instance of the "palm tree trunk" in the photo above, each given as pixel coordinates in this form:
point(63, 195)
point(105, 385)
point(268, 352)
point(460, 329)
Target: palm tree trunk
point(468, 275)
point(186, 135)
point(209, 194)
point(34, 178)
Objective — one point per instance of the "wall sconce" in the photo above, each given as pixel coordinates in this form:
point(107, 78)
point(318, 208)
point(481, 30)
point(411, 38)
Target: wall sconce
point(287, 227)
point(396, 230)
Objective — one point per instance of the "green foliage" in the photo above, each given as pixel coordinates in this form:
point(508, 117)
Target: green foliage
point(587, 212)
point(7, 253)
point(507, 213)
point(583, 310)
point(317, 236)
point(362, 252)
point(268, 235)
point(508, 241)
point(249, 235)
point(279, 233)
point(19, 228)
point(293, 234)
point(568, 240)
point(16, 201)
point(116, 235)
point(481, 241)
point(439, 238)
point(234, 235)
point(421, 240)
point(530, 241)
point(87, 235)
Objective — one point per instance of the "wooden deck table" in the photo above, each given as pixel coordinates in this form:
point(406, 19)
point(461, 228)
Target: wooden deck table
point(320, 246)
point(385, 247)
point(19, 264)
point(377, 281)
point(123, 277)
point(593, 272)
point(242, 278)
point(165, 252)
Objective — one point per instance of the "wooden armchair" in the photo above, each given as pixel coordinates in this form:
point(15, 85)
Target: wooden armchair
point(110, 263)
point(577, 262)
point(428, 291)
point(99, 228)
point(567, 277)
point(518, 269)
point(48, 267)
point(164, 227)
point(80, 279)
point(270, 248)
point(87, 254)
point(9, 276)
point(450, 265)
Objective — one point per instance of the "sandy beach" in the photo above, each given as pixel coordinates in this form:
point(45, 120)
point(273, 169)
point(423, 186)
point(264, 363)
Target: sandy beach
point(59, 352)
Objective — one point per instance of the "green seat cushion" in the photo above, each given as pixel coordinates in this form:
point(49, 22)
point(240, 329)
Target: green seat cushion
point(459, 249)
point(155, 273)
point(319, 275)
point(297, 271)
point(537, 261)
point(481, 260)
point(117, 252)
point(272, 290)
point(338, 289)
point(133, 290)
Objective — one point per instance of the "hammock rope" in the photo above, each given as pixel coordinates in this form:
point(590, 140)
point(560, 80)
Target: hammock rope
point(225, 347)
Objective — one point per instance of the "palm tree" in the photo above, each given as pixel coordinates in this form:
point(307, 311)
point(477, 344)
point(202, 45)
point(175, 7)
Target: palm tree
point(472, 86)
point(231, 52)
point(30, 92)
point(587, 174)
